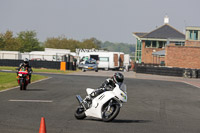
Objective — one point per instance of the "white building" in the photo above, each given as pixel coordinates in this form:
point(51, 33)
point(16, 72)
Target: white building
point(48, 54)
point(10, 55)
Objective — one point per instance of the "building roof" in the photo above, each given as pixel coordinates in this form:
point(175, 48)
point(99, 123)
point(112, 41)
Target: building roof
point(164, 32)
point(140, 34)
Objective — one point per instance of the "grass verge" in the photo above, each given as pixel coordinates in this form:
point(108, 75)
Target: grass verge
point(8, 80)
point(42, 70)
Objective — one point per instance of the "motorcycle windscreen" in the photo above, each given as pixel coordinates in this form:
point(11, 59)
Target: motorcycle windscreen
point(123, 88)
point(89, 90)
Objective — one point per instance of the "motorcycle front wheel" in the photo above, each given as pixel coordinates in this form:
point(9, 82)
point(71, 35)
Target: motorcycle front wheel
point(109, 113)
point(21, 84)
point(80, 113)
point(25, 85)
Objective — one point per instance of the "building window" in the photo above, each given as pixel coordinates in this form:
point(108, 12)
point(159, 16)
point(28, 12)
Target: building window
point(178, 43)
point(147, 44)
point(161, 44)
point(191, 32)
point(193, 35)
point(139, 45)
point(154, 44)
point(196, 35)
point(138, 51)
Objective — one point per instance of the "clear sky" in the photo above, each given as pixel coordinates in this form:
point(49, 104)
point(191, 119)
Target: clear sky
point(106, 20)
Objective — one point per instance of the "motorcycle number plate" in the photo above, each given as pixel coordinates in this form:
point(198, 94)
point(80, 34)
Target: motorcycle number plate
point(20, 74)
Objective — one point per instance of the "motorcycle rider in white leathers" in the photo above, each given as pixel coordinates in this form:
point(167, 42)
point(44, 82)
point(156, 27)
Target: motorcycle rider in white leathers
point(108, 85)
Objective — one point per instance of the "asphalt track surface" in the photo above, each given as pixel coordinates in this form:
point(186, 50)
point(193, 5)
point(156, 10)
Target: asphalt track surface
point(152, 107)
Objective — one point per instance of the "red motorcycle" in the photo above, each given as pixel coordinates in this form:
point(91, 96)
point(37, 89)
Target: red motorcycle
point(23, 78)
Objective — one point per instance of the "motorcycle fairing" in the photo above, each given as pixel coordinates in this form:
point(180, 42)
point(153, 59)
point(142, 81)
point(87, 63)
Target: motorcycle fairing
point(97, 104)
point(89, 91)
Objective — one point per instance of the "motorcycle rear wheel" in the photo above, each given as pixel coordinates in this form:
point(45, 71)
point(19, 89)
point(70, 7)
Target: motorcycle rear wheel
point(108, 116)
point(80, 113)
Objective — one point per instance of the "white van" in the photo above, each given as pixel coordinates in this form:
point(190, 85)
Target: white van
point(106, 60)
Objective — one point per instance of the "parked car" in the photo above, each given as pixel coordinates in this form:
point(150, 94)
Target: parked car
point(90, 65)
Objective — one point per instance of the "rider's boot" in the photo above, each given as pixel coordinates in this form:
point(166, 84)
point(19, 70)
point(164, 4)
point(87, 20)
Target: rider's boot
point(94, 94)
point(86, 102)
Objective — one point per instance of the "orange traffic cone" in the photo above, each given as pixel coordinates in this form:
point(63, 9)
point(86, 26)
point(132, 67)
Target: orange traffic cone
point(42, 126)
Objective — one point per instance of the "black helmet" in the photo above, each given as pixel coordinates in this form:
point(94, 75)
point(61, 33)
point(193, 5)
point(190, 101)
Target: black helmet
point(26, 61)
point(118, 77)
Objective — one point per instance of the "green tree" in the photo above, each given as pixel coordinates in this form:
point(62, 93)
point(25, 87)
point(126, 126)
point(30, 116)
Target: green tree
point(61, 43)
point(96, 42)
point(119, 47)
point(88, 44)
point(64, 43)
point(28, 41)
point(9, 42)
point(2, 44)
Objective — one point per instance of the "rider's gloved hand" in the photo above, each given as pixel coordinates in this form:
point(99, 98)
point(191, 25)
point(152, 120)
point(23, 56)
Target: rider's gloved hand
point(88, 97)
point(93, 94)
point(102, 89)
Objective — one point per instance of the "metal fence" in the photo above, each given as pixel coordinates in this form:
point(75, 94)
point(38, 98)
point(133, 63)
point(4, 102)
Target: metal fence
point(43, 57)
point(157, 70)
point(38, 64)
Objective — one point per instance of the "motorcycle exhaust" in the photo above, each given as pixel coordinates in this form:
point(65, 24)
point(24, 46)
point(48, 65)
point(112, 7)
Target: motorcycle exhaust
point(80, 100)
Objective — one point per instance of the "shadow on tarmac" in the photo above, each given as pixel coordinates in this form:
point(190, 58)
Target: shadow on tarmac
point(121, 121)
point(35, 90)
point(130, 121)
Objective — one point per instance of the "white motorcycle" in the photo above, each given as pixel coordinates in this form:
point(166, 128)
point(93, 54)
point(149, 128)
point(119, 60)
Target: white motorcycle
point(105, 106)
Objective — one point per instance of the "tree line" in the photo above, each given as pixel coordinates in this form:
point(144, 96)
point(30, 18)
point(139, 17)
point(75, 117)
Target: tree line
point(64, 43)
point(26, 41)
point(119, 47)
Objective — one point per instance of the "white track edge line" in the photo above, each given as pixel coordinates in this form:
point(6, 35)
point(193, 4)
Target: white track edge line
point(190, 84)
point(34, 101)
